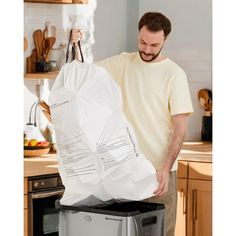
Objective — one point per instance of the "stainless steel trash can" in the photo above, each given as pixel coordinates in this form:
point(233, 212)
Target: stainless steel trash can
point(118, 219)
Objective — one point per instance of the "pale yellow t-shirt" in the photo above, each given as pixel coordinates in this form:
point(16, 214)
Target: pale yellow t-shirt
point(152, 93)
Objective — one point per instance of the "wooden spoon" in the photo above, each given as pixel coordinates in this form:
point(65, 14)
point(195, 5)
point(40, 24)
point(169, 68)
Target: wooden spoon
point(49, 42)
point(38, 39)
point(205, 99)
point(45, 36)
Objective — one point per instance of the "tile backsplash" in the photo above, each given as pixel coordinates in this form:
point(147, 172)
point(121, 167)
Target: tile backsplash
point(199, 76)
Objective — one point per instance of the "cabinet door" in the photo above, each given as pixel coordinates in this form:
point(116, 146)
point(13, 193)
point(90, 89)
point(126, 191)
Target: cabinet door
point(25, 207)
point(199, 214)
point(180, 229)
point(182, 171)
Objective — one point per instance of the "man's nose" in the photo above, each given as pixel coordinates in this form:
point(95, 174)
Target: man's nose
point(147, 49)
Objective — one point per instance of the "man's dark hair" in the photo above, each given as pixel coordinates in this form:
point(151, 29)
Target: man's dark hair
point(155, 21)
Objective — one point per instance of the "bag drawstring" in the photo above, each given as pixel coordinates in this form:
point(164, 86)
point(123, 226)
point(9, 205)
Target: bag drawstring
point(73, 49)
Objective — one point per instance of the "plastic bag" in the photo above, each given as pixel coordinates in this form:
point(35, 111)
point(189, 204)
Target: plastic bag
point(98, 156)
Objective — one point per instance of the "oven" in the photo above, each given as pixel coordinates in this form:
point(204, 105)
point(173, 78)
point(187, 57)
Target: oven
point(43, 216)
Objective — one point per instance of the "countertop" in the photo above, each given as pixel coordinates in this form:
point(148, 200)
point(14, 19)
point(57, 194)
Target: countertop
point(34, 166)
point(196, 151)
point(192, 151)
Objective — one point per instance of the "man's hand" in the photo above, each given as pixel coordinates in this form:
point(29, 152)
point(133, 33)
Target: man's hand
point(179, 129)
point(76, 35)
point(163, 179)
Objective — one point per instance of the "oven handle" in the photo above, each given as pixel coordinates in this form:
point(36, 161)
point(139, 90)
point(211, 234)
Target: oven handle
point(46, 194)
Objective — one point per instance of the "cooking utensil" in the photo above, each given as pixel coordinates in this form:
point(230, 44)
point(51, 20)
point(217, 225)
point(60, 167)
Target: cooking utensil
point(205, 99)
point(25, 44)
point(45, 36)
point(38, 39)
point(30, 62)
point(49, 42)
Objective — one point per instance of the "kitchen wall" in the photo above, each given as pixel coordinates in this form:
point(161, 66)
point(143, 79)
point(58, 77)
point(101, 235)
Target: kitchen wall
point(111, 27)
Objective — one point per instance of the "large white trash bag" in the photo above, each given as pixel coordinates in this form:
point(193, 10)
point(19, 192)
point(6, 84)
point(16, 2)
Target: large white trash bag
point(98, 156)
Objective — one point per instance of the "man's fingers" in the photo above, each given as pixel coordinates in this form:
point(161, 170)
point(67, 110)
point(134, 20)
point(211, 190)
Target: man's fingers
point(76, 34)
point(160, 189)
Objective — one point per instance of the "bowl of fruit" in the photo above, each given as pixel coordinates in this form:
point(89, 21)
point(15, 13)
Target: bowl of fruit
point(35, 148)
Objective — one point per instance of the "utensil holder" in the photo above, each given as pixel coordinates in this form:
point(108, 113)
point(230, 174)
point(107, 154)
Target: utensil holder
point(42, 66)
point(206, 133)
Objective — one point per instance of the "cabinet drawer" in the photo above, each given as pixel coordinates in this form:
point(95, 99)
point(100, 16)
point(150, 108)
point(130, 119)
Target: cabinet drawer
point(200, 170)
point(182, 171)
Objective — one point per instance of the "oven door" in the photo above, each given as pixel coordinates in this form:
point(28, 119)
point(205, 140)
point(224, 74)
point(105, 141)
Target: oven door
point(44, 217)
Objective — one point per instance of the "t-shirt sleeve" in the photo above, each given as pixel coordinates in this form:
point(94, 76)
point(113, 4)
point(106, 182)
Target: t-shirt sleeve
point(179, 95)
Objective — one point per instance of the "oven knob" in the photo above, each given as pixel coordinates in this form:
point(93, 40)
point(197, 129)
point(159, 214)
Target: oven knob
point(36, 184)
point(42, 183)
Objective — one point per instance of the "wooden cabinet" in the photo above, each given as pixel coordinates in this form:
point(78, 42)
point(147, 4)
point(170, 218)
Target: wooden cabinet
point(194, 207)
point(199, 216)
point(59, 1)
point(25, 207)
point(181, 207)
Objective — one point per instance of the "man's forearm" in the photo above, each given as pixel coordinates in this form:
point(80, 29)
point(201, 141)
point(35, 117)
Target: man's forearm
point(174, 149)
point(179, 123)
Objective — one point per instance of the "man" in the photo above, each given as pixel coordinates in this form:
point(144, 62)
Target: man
point(157, 103)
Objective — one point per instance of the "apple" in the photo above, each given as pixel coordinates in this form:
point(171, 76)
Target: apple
point(33, 142)
point(26, 142)
point(43, 143)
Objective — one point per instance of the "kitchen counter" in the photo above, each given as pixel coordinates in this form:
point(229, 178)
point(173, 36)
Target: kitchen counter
point(34, 166)
point(192, 151)
point(196, 151)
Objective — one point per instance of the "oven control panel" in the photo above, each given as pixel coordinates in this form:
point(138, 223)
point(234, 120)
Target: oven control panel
point(42, 183)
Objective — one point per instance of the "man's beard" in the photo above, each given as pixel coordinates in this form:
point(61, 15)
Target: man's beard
point(154, 56)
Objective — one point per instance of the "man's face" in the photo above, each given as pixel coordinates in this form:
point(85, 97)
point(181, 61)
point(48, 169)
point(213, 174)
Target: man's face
point(150, 44)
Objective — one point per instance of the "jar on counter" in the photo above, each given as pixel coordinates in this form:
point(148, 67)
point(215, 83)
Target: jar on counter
point(54, 66)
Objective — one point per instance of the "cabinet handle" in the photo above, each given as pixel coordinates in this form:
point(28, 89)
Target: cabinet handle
point(184, 201)
point(194, 207)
